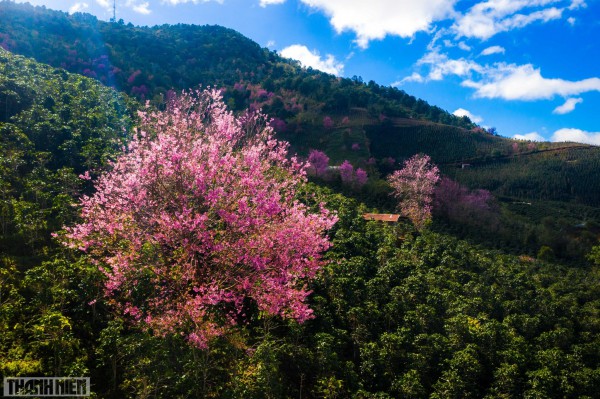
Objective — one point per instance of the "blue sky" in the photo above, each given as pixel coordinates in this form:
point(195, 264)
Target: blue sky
point(530, 68)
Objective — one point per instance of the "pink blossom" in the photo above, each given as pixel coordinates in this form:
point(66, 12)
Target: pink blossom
point(414, 186)
point(198, 218)
point(319, 162)
point(361, 177)
point(347, 172)
point(239, 86)
point(134, 75)
point(459, 203)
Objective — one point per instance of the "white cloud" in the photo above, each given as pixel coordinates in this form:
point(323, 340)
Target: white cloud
point(463, 112)
point(440, 66)
point(104, 4)
point(502, 80)
point(78, 7)
point(524, 82)
point(577, 4)
point(464, 46)
point(493, 50)
point(571, 21)
point(375, 19)
point(576, 135)
point(312, 59)
point(264, 3)
point(447, 43)
point(415, 77)
point(485, 19)
point(533, 136)
point(568, 106)
point(141, 8)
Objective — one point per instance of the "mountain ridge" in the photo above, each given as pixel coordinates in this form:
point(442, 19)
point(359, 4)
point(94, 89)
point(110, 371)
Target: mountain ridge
point(365, 123)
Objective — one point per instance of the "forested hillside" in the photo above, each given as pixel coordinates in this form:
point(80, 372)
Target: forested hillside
point(398, 313)
point(148, 61)
point(511, 311)
point(311, 109)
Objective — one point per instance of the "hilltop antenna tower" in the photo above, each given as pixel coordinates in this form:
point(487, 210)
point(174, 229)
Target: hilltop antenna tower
point(114, 17)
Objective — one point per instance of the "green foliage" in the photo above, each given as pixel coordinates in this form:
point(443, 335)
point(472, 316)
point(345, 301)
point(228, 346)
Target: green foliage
point(54, 127)
point(398, 314)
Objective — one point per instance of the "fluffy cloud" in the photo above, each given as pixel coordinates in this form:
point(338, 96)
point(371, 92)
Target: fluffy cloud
point(440, 65)
point(568, 106)
point(375, 19)
point(464, 46)
point(415, 77)
point(533, 136)
point(312, 59)
point(104, 4)
point(502, 80)
point(488, 18)
point(464, 112)
point(78, 7)
point(577, 135)
point(577, 4)
point(264, 3)
point(141, 8)
point(493, 50)
point(524, 82)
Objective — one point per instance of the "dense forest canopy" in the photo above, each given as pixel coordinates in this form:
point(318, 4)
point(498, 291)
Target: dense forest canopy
point(497, 298)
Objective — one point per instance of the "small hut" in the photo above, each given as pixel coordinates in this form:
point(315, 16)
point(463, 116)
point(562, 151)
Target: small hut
point(384, 217)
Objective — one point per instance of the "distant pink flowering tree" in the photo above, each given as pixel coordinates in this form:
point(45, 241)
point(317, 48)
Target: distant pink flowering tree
point(413, 186)
point(353, 177)
point(199, 216)
point(347, 172)
point(134, 75)
point(458, 203)
point(360, 177)
point(319, 162)
point(327, 122)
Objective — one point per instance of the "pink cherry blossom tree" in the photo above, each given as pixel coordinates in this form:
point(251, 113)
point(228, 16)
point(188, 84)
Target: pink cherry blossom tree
point(458, 203)
point(355, 178)
point(413, 186)
point(198, 218)
point(360, 177)
point(347, 172)
point(319, 162)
